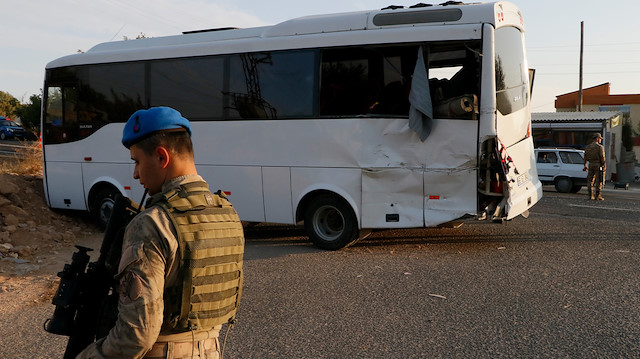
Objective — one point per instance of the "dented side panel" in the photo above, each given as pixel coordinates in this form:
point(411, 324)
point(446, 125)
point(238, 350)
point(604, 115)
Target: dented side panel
point(435, 184)
point(450, 180)
point(450, 195)
point(392, 198)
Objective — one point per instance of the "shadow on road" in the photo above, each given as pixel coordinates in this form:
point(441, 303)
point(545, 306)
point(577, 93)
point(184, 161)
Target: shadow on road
point(265, 241)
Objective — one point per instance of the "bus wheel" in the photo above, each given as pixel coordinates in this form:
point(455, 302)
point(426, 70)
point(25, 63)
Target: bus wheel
point(330, 223)
point(563, 185)
point(103, 205)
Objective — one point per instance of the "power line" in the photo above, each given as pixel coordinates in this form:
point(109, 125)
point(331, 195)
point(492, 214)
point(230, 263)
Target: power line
point(145, 13)
point(591, 63)
point(122, 27)
point(543, 105)
point(588, 73)
point(586, 45)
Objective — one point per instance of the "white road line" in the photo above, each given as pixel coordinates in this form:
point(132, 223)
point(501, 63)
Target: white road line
point(605, 208)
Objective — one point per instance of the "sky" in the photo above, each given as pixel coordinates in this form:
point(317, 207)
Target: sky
point(35, 32)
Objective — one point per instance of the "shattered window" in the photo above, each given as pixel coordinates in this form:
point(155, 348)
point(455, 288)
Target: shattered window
point(454, 79)
point(376, 80)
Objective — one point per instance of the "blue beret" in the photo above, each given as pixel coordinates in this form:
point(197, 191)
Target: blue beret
point(144, 123)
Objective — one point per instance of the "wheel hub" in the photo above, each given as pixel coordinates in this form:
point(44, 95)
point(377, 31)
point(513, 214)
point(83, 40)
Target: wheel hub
point(328, 222)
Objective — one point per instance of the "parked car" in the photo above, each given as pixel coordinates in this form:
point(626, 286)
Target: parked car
point(10, 129)
point(562, 167)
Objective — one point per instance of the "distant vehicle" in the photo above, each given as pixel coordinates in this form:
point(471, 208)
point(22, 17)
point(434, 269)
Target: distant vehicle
point(562, 167)
point(10, 129)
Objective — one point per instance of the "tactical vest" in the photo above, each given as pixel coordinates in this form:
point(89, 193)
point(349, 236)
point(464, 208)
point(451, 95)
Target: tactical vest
point(593, 152)
point(210, 249)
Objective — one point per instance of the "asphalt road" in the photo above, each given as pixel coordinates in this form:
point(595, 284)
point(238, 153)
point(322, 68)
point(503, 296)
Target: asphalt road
point(561, 284)
point(8, 148)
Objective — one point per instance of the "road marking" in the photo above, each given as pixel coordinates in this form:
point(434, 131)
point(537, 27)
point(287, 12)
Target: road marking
point(606, 208)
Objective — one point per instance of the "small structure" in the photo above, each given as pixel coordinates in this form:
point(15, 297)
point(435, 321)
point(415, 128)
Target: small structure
point(576, 129)
point(599, 98)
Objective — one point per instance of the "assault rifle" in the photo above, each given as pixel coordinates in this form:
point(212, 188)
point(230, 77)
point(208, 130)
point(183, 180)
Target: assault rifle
point(86, 301)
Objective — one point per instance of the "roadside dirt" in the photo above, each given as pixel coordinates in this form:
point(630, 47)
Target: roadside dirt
point(35, 241)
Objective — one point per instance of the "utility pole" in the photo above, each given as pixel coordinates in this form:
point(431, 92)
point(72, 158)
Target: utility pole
point(581, 54)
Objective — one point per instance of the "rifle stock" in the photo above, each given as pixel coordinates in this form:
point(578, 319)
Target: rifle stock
point(86, 300)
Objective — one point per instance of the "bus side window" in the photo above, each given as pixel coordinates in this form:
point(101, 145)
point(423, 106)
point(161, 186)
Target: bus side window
point(367, 81)
point(454, 79)
point(344, 86)
point(394, 99)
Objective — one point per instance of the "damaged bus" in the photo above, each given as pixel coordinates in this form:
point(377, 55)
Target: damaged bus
point(396, 118)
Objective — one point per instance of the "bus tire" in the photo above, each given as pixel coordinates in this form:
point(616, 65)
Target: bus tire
point(103, 205)
point(563, 185)
point(330, 223)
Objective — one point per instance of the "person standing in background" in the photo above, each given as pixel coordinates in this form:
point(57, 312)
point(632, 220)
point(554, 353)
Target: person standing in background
point(594, 155)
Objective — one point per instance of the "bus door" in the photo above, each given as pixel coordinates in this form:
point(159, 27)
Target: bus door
point(62, 171)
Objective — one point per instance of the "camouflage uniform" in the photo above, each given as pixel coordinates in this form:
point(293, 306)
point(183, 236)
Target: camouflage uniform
point(594, 154)
point(148, 266)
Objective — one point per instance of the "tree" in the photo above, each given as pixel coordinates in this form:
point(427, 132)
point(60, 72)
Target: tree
point(627, 136)
point(141, 36)
point(30, 114)
point(8, 105)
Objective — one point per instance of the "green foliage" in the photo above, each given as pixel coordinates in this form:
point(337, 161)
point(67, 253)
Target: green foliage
point(30, 114)
point(8, 105)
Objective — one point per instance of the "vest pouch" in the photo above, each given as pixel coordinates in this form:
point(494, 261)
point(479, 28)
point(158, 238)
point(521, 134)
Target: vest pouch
point(216, 294)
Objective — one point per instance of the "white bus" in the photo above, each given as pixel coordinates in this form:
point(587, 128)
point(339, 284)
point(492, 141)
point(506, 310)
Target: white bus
point(392, 118)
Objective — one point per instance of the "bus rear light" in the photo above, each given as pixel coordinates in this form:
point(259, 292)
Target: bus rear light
point(434, 197)
point(88, 159)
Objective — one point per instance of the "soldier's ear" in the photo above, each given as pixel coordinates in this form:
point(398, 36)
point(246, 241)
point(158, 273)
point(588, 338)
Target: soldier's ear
point(163, 156)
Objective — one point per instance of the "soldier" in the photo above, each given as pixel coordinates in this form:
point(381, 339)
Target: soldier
point(180, 272)
point(594, 154)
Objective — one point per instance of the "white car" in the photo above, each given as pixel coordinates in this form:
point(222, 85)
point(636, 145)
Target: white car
point(562, 167)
